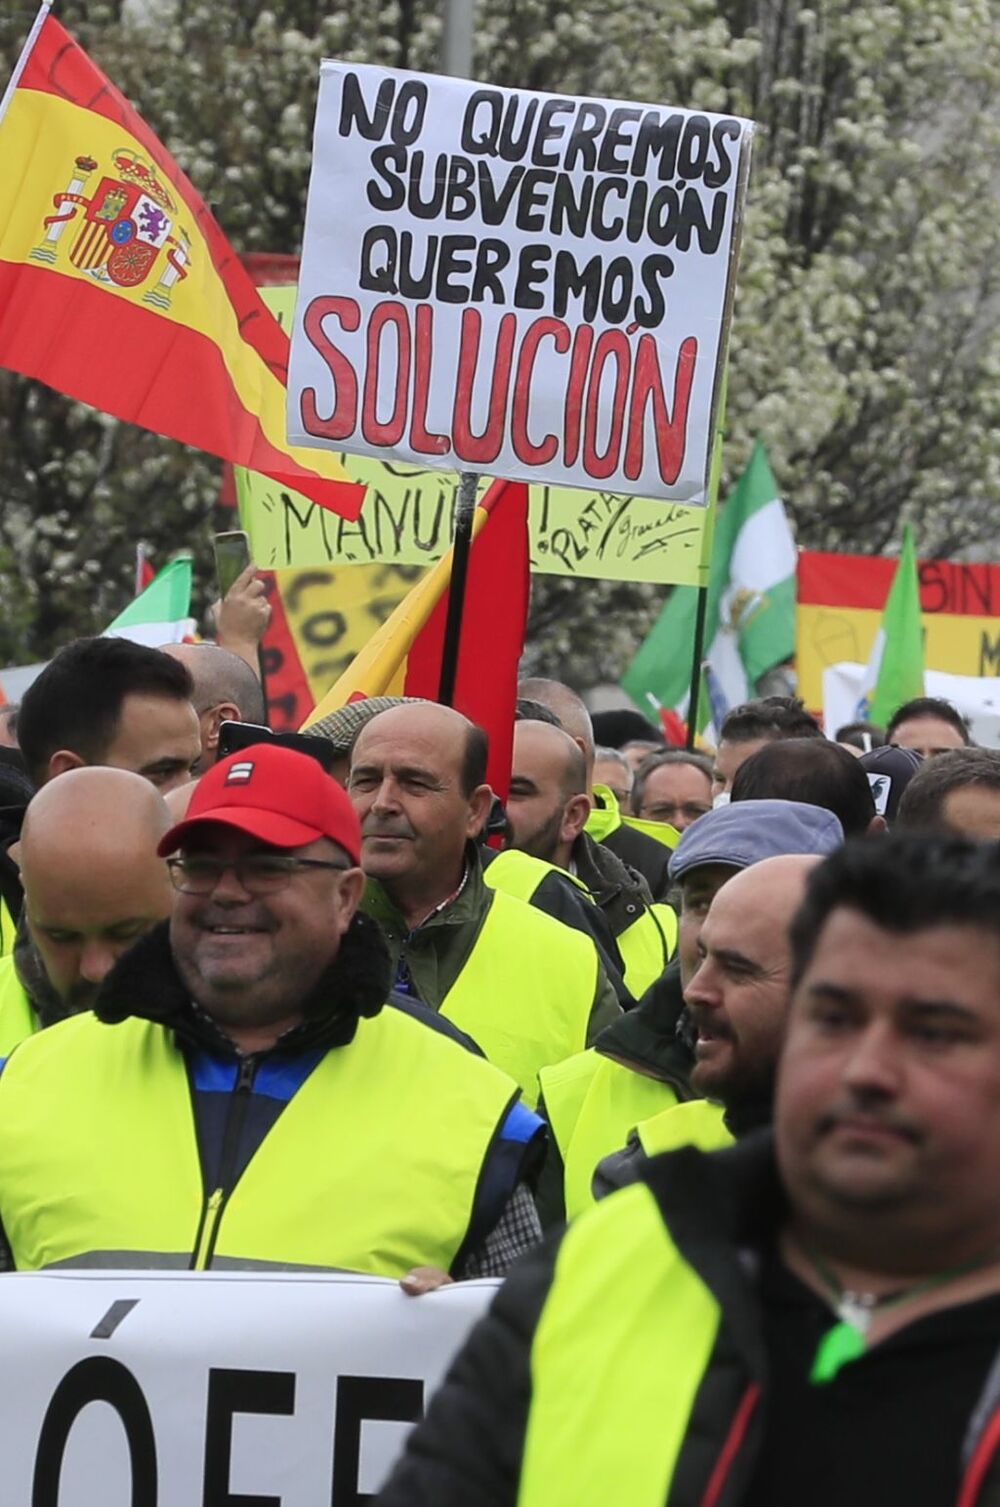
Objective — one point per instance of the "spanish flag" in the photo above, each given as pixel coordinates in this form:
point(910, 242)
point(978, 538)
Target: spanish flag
point(403, 658)
point(117, 286)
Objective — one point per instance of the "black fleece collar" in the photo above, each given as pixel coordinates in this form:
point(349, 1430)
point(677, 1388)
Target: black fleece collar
point(145, 984)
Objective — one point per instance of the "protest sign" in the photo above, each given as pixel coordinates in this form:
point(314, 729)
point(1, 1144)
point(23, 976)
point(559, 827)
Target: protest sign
point(535, 287)
point(407, 519)
point(216, 1388)
point(840, 602)
point(320, 618)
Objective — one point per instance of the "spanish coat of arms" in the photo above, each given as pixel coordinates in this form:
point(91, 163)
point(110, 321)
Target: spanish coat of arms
point(128, 229)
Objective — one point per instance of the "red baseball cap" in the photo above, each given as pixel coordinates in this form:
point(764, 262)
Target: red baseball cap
point(283, 797)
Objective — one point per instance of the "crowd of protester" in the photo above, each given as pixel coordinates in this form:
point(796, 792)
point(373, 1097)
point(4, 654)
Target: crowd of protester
point(706, 1048)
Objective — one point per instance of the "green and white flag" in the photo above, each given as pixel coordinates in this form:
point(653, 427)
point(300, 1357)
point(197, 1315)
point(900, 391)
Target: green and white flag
point(750, 621)
point(895, 671)
point(162, 613)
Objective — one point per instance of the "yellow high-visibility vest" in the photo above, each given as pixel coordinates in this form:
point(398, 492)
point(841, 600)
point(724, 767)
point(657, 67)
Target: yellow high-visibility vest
point(372, 1165)
point(646, 945)
point(17, 1018)
point(527, 990)
point(698, 1123)
point(620, 1351)
point(592, 1104)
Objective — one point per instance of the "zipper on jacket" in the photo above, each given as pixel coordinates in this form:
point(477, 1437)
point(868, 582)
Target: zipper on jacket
point(211, 1218)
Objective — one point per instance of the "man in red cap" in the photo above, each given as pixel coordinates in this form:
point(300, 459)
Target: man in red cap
point(257, 1103)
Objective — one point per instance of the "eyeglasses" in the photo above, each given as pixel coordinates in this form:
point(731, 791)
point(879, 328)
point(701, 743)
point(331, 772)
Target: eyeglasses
point(257, 873)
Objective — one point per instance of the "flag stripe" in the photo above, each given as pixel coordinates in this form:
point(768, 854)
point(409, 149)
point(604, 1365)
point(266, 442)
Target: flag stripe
point(405, 653)
point(191, 412)
point(60, 68)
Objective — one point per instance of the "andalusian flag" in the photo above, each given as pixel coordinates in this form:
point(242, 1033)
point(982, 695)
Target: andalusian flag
point(750, 623)
point(895, 670)
point(117, 286)
point(162, 613)
point(404, 657)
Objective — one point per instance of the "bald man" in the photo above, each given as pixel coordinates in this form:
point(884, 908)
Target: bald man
point(93, 884)
point(605, 824)
point(526, 988)
point(548, 807)
point(225, 690)
point(737, 1004)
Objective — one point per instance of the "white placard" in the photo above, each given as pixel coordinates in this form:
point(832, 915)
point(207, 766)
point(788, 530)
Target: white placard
point(977, 698)
point(532, 286)
point(130, 1390)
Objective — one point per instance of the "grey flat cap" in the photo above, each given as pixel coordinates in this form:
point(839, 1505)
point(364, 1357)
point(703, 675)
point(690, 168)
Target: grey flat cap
point(746, 832)
point(342, 726)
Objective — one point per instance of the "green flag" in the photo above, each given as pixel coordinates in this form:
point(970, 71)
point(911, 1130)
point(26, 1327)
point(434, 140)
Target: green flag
point(162, 613)
point(750, 621)
point(895, 670)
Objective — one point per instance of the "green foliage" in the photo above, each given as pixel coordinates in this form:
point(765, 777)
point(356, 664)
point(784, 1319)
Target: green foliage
point(864, 344)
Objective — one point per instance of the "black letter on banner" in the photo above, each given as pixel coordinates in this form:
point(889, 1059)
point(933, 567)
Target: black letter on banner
point(360, 1398)
point(96, 1380)
point(229, 1393)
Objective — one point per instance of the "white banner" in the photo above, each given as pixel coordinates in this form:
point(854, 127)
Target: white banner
point(533, 286)
point(977, 698)
point(148, 1390)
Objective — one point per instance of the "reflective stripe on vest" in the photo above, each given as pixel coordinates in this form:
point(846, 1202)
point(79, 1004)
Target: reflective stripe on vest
point(593, 1104)
point(647, 946)
point(356, 1173)
point(698, 1123)
point(17, 1018)
point(527, 990)
point(631, 1366)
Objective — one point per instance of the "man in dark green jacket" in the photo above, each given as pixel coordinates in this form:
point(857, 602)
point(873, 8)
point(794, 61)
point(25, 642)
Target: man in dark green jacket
point(529, 990)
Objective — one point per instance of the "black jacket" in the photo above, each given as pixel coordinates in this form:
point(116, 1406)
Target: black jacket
point(643, 853)
point(722, 1209)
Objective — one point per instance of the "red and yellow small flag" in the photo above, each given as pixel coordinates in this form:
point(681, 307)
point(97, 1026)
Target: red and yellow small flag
point(118, 287)
point(403, 658)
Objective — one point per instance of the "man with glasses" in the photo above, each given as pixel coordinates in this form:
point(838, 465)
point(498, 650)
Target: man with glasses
point(255, 1102)
point(672, 786)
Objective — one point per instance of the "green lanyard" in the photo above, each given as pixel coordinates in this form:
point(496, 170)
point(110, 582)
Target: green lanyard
point(848, 1339)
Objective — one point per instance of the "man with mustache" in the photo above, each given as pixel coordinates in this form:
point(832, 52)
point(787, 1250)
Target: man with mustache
point(243, 1094)
point(529, 990)
point(639, 1071)
point(736, 1004)
point(93, 885)
point(809, 1316)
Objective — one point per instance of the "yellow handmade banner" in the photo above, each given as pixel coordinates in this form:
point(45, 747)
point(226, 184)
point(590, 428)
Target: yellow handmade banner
point(407, 520)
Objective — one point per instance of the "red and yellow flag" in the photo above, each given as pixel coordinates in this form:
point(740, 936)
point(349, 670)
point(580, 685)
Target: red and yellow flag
point(118, 287)
point(403, 658)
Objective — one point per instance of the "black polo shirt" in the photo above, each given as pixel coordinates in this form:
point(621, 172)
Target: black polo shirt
point(889, 1429)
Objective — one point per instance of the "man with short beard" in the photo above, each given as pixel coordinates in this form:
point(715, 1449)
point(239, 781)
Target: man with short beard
point(243, 1096)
